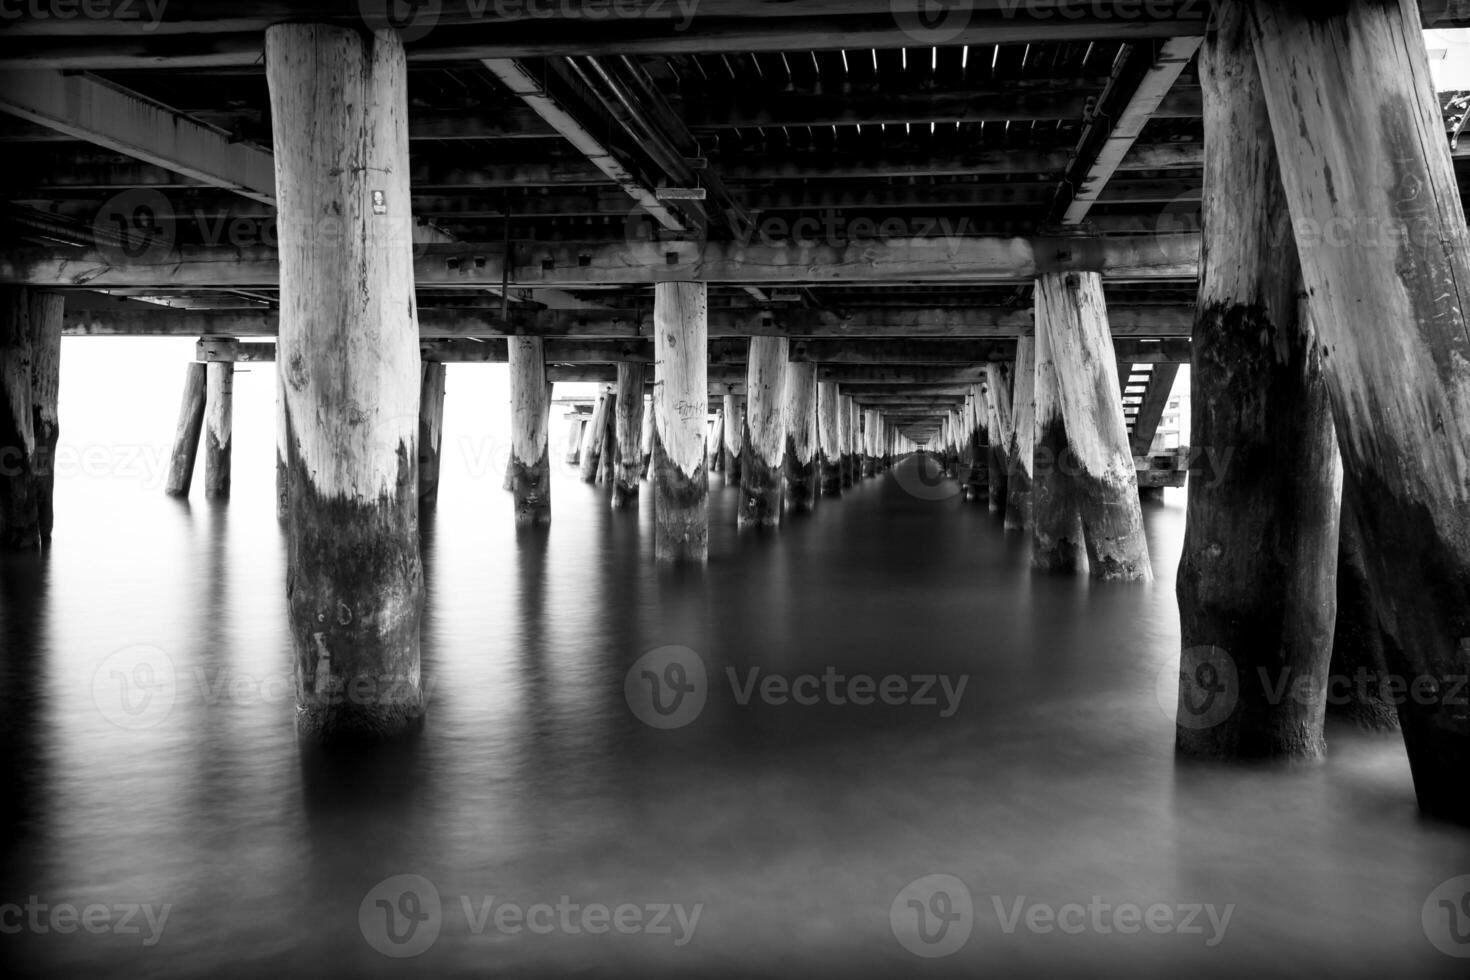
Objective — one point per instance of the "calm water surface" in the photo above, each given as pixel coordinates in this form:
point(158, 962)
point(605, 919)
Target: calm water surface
point(793, 826)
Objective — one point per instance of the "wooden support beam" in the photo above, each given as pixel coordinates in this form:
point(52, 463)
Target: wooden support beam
point(734, 440)
point(1400, 397)
point(629, 411)
point(219, 412)
point(714, 438)
point(350, 379)
point(1256, 589)
point(681, 405)
point(20, 528)
point(978, 259)
point(88, 108)
point(46, 312)
point(876, 322)
point(999, 425)
point(186, 435)
point(765, 433)
point(595, 435)
point(431, 431)
point(530, 454)
point(1149, 97)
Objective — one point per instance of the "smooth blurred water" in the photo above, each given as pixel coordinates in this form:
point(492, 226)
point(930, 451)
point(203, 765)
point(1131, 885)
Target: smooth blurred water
point(795, 827)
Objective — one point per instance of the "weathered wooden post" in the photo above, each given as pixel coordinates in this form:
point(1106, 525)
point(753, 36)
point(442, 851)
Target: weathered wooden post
point(350, 374)
point(530, 421)
point(715, 440)
point(1057, 525)
point(607, 468)
point(629, 413)
point(593, 436)
point(734, 434)
point(1023, 437)
point(219, 412)
point(1385, 259)
point(431, 430)
point(977, 443)
point(765, 433)
point(575, 424)
point(1256, 576)
point(283, 495)
point(829, 425)
point(645, 443)
point(20, 525)
point(1361, 690)
point(186, 435)
point(46, 311)
point(999, 429)
point(869, 441)
point(800, 464)
point(1100, 460)
point(681, 405)
point(844, 441)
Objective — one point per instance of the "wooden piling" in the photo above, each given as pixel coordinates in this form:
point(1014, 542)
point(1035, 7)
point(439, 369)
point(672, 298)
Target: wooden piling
point(800, 466)
point(629, 424)
point(765, 433)
point(593, 436)
point(1256, 574)
point(999, 432)
point(431, 430)
point(20, 527)
point(575, 427)
point(715, 440)
point(645, 443)
point(186, 435)
point(844, 441)
point(607, 465)
point(47, 310)
point(681, 405)
point(1099, 459)
point(829, 424)
point(1056, 522)
point(1023, 438)
point(1361, 692)
point(734, 435)
point(1389, 300)
point(530, 421)
point(219, 414)
point(350, 374)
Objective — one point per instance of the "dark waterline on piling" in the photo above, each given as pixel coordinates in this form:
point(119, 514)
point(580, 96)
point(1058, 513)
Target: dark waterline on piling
point(794, 826)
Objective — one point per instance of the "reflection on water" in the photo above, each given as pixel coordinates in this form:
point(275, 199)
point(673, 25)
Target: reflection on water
point(791, 827)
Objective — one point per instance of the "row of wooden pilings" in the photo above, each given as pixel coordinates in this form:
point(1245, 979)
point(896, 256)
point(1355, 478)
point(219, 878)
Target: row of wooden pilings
point(788, 441)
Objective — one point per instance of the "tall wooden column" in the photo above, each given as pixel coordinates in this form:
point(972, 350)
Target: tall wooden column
point(575, 426)
point(530, 422)
point(1023, 437)
point(629, 412)
point(869, 442)
point(999, 427)
point(186, 434)
point(594, 435)
point(844, 441)
point(645, 443)
point(47, 310)
point(681, 405)
point(1100, 458)
point(765, 433)
point(1386, 260)
point(734, 436)
point(432, 376)
point(350, 375)
point(20, 525)
point(1256, 576)
point(1057, 544)
point(219, 415)
point(829, 425)
point(977, 446)
point(801, 467)
point(715, 439)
